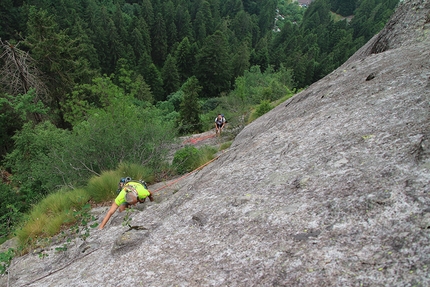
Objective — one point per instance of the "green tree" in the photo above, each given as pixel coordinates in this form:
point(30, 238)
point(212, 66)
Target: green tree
point(185, 60)
point(46, 158)
point(159, 40)
point(172, 31)
point(99, 20)
point(132, 84)
point(155, 81)
point(317, 14)
point(213, 65)
point(200, 28)
point(79, 32)
point(31, 162)
point(343, 7)
point(189, 113)
point(183, 23)
point(116, 47)
point(241, 59)
point(100, 94)
point(267, 15)
point(170, 75)
point(140, 39)
point(203, 23)
point(147, 12)
point(260, 55)
point(58, 57)
point(6, 8)
point(231, 8)
point(143, 64)
point(141, 91)
point(242, 26)
point(10, 122)
point(121, 133)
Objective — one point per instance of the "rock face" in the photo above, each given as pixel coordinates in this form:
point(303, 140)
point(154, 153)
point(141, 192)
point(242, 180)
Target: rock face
point(331, 188)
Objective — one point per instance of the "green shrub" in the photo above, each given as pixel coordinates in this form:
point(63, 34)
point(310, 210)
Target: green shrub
point(5, 260)
point(186, 159)
point(206, 154)
point(34, 160)
point(225, 145)
point(11, 207)
point(189, 158)
point(263, 108)
point(46, 158)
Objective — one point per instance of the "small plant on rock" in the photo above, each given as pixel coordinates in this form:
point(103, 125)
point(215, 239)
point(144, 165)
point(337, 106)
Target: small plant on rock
point(83, 218)
point(127, 218)
point(5, 260)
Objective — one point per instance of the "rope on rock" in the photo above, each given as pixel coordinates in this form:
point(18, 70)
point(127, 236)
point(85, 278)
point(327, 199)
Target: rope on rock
point(186, 175)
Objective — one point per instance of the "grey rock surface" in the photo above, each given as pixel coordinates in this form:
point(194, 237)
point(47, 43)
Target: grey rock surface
point(331, 188)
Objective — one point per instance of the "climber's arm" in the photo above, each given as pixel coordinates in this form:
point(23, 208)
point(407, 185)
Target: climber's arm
point(108, 215)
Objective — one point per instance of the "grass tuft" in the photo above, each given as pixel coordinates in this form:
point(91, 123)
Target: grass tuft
point(103, 188)
point(225, 145)
point(47, 218)
point(136, 171)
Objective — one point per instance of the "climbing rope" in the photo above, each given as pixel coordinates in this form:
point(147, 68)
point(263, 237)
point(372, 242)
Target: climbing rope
point(198, 139)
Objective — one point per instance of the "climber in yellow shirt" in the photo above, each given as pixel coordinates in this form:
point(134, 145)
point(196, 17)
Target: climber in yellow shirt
point(130, 193)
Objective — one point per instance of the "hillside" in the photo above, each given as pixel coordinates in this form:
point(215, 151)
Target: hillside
point(330, 188)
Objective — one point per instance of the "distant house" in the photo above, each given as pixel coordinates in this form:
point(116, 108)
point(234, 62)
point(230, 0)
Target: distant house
point(304, 2)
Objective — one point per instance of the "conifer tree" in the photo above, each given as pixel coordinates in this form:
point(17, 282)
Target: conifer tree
point(169, 16)
point(170, 75)
point(183, 23)
point(267, 15)
point(213, 65)
point(189, 112)
point(231, 7)
point(242, 26)
point(58, 58)
point(260, 55)
point(155, 81)
point(200, 28)
point(241, 60)
point(203, 24)
point(159, 40)
point(184, 59)
point(148, 12)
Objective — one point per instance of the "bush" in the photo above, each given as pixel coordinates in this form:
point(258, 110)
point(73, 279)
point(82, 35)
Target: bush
point(34, 159)
point(5, 260)
point(260, 110)
point(11, 207)
point(225, 145)
point(46, 158)
point(263, 108)
point(186, 159)
point(189, 158)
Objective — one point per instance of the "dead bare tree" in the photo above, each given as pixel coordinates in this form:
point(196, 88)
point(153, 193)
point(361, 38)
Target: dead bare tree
point(19, 73)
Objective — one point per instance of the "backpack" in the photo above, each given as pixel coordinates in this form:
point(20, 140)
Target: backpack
point(128, 179)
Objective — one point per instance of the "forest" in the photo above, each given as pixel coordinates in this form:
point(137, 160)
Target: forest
point(88, 85)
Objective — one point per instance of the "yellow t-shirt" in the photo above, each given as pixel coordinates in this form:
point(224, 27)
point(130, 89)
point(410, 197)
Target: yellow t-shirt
point(142, 192)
